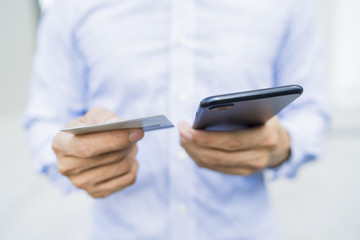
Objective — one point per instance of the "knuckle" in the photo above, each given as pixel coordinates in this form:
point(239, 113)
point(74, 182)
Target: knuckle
point(272, 141)
point(80, 182)
point(127, 166)
point(54, 145)
point(208, 158)
point(124, 166)
point(199, 139)
point(264, 161)
point(131, 179)
point(246, 172)
point(98, 194)
point(200, 163)
point(260, 163)
point(93, 195)
point(63, 168)
point(182, 142)
point(82, 150)
point(233, 144)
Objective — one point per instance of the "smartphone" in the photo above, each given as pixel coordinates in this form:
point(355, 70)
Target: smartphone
point(241, 110)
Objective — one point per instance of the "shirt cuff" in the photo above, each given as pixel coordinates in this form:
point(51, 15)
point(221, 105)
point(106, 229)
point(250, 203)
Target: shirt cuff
point(45, 161)
point(298, 155)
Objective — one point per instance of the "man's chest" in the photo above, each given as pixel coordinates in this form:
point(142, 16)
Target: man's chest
point(219, 46)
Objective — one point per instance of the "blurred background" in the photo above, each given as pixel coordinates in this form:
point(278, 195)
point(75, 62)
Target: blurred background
point(323, 202)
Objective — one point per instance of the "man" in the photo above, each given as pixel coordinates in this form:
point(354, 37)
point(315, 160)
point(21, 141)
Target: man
point(101, 61)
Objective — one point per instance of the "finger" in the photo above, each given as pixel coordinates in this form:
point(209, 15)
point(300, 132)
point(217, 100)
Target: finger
point(98, 115)
point(229, 141)
point(95, 115)
point(92, 177)
point(95, 144)
point(245, 171)
point(234, 171)
point(74, 165)
point(115, 184)
point(256, 137)
point(254, 158)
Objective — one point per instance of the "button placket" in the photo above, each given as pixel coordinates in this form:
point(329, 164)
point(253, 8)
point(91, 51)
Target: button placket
point(181, 86)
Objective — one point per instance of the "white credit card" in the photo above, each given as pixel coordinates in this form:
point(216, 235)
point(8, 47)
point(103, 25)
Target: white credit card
point(146, 123)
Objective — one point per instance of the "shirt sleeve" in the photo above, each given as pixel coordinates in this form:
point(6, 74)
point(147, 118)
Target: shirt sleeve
point(56, 90)
point(300, 61)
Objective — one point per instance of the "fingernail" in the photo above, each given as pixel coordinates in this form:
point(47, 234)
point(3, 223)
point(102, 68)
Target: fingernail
point(136, 135)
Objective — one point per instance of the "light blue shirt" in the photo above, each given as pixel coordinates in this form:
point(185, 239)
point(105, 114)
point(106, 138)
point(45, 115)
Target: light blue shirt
point(148, 57)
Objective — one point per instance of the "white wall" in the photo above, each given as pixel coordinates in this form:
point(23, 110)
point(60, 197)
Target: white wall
point(17, 33)
point(346, 54)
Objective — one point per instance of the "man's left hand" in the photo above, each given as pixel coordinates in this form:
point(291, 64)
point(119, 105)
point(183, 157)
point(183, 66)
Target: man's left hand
point(240, 152)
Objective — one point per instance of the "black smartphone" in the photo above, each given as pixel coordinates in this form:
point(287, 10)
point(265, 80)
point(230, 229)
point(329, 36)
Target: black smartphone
point(241, 110)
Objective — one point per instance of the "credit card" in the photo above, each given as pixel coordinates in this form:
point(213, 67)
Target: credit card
point(147, 124)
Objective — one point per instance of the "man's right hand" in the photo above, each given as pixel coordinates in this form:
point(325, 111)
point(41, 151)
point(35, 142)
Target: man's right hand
point(100, 163)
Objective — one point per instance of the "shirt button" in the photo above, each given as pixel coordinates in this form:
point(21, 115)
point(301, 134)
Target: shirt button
point(182, 154)
point(182, 97)
point(182, 209)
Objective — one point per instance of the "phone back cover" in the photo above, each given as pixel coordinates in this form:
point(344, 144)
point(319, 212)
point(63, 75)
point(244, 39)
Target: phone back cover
point(244, 114)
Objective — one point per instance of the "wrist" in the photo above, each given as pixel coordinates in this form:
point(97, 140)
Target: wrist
point(283, 151)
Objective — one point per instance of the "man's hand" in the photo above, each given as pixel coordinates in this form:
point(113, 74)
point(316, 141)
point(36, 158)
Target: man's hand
point(240, 152)
point(100, 163)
